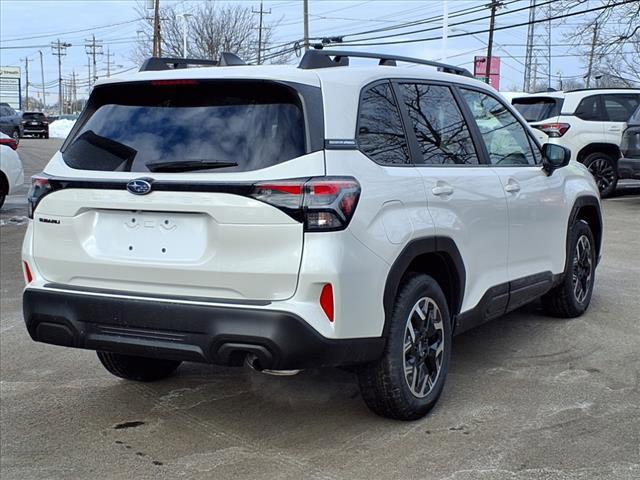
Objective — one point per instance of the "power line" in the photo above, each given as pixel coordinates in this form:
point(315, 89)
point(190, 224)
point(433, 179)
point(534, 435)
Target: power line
point(48, 35)
point(505, 27)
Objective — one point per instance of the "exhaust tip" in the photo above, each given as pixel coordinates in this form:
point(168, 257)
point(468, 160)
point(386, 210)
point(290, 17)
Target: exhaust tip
point(253, 362)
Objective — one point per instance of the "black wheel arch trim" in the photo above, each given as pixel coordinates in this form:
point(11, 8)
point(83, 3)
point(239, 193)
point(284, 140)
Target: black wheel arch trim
point(581, 202)
point(414, 249)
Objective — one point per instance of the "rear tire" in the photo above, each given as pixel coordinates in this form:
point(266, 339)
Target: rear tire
point(140, 369)
point(604, 171)
point(16, 135)
point(407, 381)
point(571, 298)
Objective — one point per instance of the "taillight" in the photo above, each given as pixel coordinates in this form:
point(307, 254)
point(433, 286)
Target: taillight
point(10, 142)
point(322, 203)
point(554, 130)
point(326, 301)
point(40, 187)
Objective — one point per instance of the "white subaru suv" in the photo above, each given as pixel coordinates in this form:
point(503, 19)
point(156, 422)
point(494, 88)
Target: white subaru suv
point(590, 122)
point(289, 218)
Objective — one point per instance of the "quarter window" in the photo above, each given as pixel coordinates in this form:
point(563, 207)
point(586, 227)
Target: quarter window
point(506, 139)
point(380, 132)
point(589, 109)
point(439, 126)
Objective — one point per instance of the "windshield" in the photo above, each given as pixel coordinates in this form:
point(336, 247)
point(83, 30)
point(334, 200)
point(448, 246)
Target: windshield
point(535, 109)
point(223, 125)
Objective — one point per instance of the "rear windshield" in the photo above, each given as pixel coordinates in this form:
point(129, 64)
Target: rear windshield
point(537, 108)
point(188, 125)
point(33, 115)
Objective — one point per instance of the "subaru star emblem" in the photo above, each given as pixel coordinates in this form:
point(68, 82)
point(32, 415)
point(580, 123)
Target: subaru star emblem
point(139, 186)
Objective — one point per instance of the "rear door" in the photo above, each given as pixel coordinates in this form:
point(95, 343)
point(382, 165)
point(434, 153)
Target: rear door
point(464, 196)
point(536, 201)
point(153, 190)
point(618, 108)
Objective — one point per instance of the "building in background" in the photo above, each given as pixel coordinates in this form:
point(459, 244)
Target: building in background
point(480, 71)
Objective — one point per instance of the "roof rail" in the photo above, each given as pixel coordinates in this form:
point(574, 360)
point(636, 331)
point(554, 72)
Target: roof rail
point(322, 59)
point(168, 63)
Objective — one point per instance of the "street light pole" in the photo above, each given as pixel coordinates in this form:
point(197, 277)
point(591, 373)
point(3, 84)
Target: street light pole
point(185, 31)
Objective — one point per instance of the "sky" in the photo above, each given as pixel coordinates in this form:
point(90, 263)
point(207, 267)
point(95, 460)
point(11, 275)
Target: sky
point(27, 26)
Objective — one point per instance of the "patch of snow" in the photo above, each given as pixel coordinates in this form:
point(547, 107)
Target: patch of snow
point(60, 128)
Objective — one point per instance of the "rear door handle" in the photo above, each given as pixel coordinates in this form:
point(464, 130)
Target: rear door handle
point(512, 188)
point(442, 190)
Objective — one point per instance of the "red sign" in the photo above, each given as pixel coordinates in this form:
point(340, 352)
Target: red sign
point(480, 71)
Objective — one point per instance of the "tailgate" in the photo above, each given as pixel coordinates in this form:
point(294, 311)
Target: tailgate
point(201, 244)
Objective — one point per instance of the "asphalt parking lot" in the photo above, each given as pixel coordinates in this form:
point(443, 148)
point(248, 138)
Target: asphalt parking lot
point(528, 397)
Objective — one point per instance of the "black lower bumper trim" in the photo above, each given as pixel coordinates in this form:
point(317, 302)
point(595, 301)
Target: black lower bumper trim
point(179, 331)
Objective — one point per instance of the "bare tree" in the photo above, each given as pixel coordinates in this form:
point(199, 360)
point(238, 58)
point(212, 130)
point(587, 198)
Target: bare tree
point(213, 28)
point(609, 37)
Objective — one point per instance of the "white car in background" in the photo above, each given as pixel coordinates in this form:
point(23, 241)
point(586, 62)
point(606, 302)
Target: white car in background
point(11, 173)
point(589, 122)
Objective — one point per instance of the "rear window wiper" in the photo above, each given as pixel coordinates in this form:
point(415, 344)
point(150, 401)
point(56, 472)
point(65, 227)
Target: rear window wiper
point(187, 165)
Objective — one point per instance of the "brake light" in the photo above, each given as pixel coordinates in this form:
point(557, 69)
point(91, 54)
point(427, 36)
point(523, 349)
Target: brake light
point(40, 187)
point(322, 203)
point(554, 130)
point(10, 142)
point(326, 301)
point(27, 273)
point(170, 83)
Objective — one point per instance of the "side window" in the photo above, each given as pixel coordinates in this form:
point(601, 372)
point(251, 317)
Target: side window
point(506, 139)
point(589, 109)
point(620, 107)
point(441, 131)
point(380, 133)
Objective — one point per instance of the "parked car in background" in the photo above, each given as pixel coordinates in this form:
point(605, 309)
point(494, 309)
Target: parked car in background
point(36, 124)
point(589, 122)
point(10, 122)
point(629, 164)
point(11, 173)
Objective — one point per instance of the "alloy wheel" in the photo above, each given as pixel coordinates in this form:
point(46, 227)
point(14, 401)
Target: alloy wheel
point(423, 347)
point(603, 173)
point(582, 269)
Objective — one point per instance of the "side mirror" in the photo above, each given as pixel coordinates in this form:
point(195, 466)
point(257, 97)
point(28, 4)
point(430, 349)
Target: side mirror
point(554, 157)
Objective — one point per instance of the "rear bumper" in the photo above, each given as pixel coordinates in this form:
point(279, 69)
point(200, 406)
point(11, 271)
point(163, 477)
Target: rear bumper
point(30, 129)
point(629, 168)
point(187, 331)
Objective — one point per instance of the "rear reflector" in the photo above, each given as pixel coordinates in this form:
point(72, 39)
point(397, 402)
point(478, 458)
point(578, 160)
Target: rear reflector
point(27, 273)
point(326, 301)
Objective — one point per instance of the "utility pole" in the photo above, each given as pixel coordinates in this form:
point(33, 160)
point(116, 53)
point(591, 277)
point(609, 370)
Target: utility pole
point(549, 49)
point(593, 47)
point(261, 12)
point(44, 101)
point(75, 93)
point(492, 23)
point(93, 47)
point(59, 49)
point(157, 48)
point(528, 61)
point(26, 83)
point(306, 24)
point(445, 28)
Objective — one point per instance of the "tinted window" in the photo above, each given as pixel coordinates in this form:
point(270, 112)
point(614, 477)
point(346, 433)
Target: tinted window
point(440, 129)
point(252, 124)
point(380, 132)
point(589, 109)
point(534, 109)
point(506, 139)
point(620, 107)
point(33, 115)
